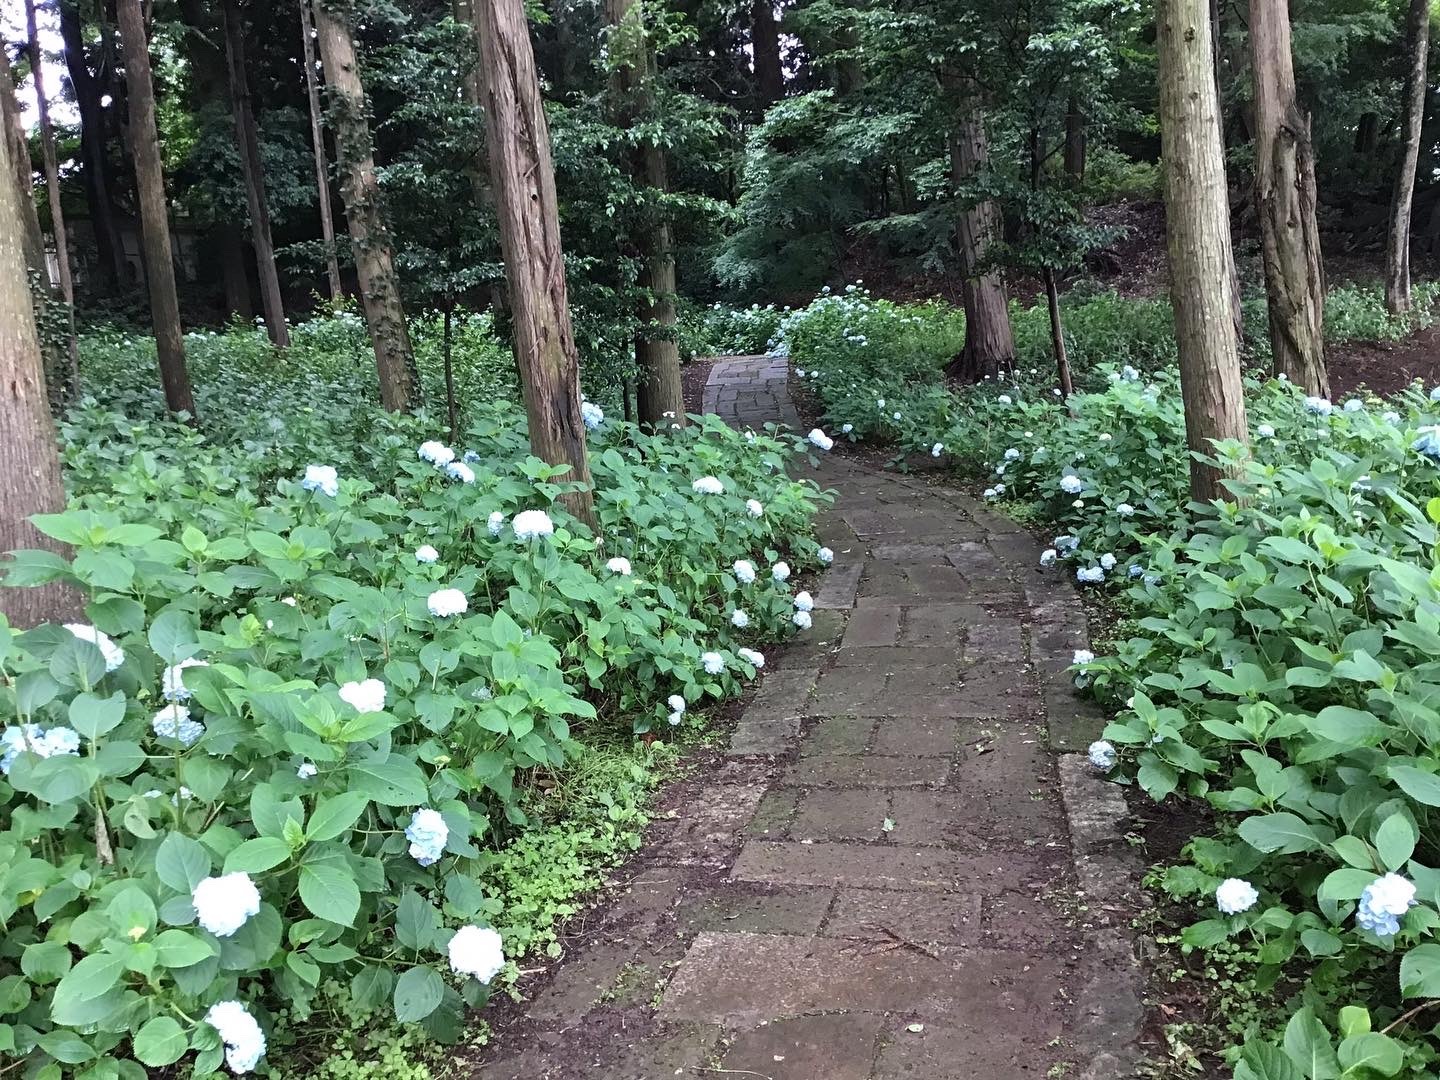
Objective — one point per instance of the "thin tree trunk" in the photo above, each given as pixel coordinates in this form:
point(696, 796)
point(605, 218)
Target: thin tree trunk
point(765, 51)
point(252, 172)
point(111, 269)
point(29, 456)
point(232, 270)
point(1076, 138)
point(446, 345)
point(52, 191)
point(657, 352)
point(1367, 129)
point(370, 239)
point(523, 179)
point(1397, 251)
point(322, 168)
point(989, 340)
point(1057, 336)
point(1198, 239)
point(1286, 199)
point(1237, 311)
point(154, 217)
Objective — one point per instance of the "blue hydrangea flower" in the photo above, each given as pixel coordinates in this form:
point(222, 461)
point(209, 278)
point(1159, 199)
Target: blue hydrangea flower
point(321, 478)
point(1382, 903)
point(1319, 406)
point(1090, 575)
point(1102, 755)
point(1428, 442)
point(427, 833)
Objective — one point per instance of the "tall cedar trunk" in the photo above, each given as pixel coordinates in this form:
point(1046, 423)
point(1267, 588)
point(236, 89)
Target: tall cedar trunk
point(252, 172)
point(111, 270)
point(29, 456)
point(1237, 312)
point(1397, 251)
point(1198, 237)
point(1057, 336)
point(1367, 129)
point(765, 51)
point(52, 191)
point(523, 179)
point(657, 352)
point(447, 345)
point(24, 176)
point(322, 167)
point(1285, 198)
point(1076, 139)
point(989, 340)
point(232, 270)
point(370, 239)
point(472, 87)
point(154, 218)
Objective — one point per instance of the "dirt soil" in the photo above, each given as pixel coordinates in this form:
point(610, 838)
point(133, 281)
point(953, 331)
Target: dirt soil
point(1385, 367)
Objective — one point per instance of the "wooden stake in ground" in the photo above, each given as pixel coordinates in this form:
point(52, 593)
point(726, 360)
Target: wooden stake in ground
point(1285, 197)
point(52, 191)
point(154, 217)
point(1198, 237)
point(322, 168)
point(523, 179)
point(252, 171)
point(29, 458)
point(369, 237)
point(1397, 249)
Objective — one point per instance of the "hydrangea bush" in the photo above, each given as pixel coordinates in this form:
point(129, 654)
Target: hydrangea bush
point(314, 681)
point(1281, 666)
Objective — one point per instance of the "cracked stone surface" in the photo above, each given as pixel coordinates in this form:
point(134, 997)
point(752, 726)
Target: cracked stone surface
point(877, 877)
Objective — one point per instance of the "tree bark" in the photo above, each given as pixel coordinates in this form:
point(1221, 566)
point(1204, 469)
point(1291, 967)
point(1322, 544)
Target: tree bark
point(1237, 312)
point(24, 176)
point(1412, 113)
point(1076, 139)
point(29, 457)
point(252, 172)
point(1198, 239)
point(232, 270)
point(1057, 336)
point(1286, 199)
point(52, 191)
point(111, 270)
point(322, 167)
point(657, 352)
point(360, 191)
point(989, 340)
point(154, 217)
point(765, 51)
point(523, 178)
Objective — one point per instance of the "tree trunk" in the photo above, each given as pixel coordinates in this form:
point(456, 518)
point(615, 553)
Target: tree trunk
point(657, 352)
point(52, 191)
point(1198, 239)
point(1412, 113)
point(154, 218)
point(765, 51)
point(370, 239)
point(1057, 336)
point(322, 168)
point(232, 270)
point(29, 457)
point(1285, 198)
point(252, 172)
point(1367, 129)
point(989, 341)
point(523, 179)
point(111, 270)
point(24, 176)
point(1076, 139)
point(447, 341)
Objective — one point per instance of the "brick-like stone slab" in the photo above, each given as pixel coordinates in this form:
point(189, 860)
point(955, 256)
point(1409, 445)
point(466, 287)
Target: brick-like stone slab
point(836, 1046)
point(838, 586)
point(873, 866)
point(844, 814)
point(870, 625)
point(737, 908)
point(919, 736)
point(881, 916)
point(867, 771)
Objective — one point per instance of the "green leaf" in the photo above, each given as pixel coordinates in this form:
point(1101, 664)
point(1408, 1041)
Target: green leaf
point(1374, 1051)
point(45, 962)
point(93, 976)
point(1282, 832)
point(334, 816)
point(1420, 972)
point(93, 716)
point(181, 863)
point(330, 893)
point(418, 993)
point(257, 855)
point(173, 636)
point(1262, 1061)
point(393, 782)
point(1421, 786)
point(1395, 840)
point(180, 949)
point(160, 1042)
point(1308, 1045)
point(1349, 727)
point(1354, 1020)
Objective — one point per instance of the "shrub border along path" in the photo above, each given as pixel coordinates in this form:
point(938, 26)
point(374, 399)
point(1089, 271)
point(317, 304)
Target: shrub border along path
point(902, 866)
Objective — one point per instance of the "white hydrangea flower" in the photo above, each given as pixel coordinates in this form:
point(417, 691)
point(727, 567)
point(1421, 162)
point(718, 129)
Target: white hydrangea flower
point(243, 1039)
point(446, 602)
point(712, 662)
point(458, 470)
point(619, 565)
point(780, 571)
point(1090, 575)
point(306, 771)
point(1004, 399)
point(1012, 454)
point(744, 571)
point(476, 951)
point(754, 507)
point(529, 524)
point(676, 703)
point(172, 683)
point(751, 657)
point(739, 619)
point(937, 450)
point(428, 834)
point(1390, 417)
point(846, 429)
point(880, 403)
point(1102, 755)
point(321, 478)
point(113, 654)
point(1083, 656)
point(1108, 561)
point(804, 601)
point(436, 453)
point(173, 722)
point(1354, 405)
point(1071, 484)
point(593, 415)
point(1048, 557)
point(819, 439)
point(990, 493)
point(426, 554)
point(364, 697)
point(222, 904)
point(802, 620)
point(825, 555)
point(1234, 896)
point(708, 485)
point(495, 522)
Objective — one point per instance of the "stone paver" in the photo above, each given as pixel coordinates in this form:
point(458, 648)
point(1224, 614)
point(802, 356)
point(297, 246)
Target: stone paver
point(878, 882)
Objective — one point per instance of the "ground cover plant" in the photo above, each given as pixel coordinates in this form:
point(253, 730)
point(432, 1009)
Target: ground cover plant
point(1281, 657)
point(326, 656)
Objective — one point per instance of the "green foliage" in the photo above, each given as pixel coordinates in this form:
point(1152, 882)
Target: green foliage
point(192, 548)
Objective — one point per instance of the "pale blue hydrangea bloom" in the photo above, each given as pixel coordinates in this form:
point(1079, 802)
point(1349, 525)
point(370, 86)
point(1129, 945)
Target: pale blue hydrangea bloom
point(825, 555)
point(426, 554)
point(1382, 904)
point(712, 662)
point(592, 414)
point(1265, 431)
point(1071, 484)
point(17, 738)
point(1354, 404)
point(1390, 417)
point(1048, 557)
point(708, 485)
point(458, 470)
point(173, 722)
point(427, 833)
point(1066, 543)
point(1319, 406)
point(436, 453)
point(1090, 575)
point(1428, 442)
point(495, 522)
point(1102, 755)
point(1012, 454)
point(321, 478)
point(1125, 510)
point(1136, 570)
point(1108, 561)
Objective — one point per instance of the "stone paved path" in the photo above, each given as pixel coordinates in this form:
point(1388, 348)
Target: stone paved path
point(896, 871)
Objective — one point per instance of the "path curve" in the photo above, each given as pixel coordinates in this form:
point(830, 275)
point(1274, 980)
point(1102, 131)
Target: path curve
point(902, 867)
